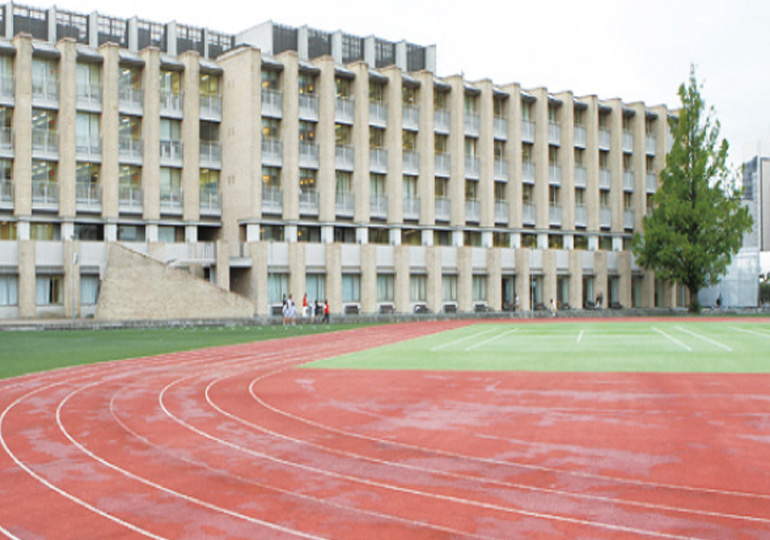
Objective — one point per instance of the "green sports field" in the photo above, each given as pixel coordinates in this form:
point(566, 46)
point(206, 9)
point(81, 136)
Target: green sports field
point(717, 346)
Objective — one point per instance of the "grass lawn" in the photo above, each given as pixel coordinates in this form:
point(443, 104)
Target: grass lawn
point(741, 346)
point(27, 352)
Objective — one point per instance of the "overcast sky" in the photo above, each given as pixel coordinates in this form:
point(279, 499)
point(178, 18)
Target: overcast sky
point(638, 50)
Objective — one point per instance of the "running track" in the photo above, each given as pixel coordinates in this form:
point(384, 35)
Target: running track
point(234, 443)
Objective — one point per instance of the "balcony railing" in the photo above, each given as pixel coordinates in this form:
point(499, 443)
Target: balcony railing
point(378, 206)
point(472, 166)
point(210, 201)
point(411, 207)
point(171, 200)
point(344, 109)
point(131, 99)
point(345, 157)
point(443, 165)
point(581, 215)
point(472, 123)
point(411, 162)
point(528, 172)
point(528, 214)
point(45, 142)
point(272, 200)
point(605, 179)
point(88, 195)
point(378, 113)
point(555, 215)
point(650, 144)
point(554, 175)
point(45, 91)
point(628, 142)
point(7, 87)
point(308, 202)
point(410, 117)
point(172, 151)
point(308, 106)
point(171, 102)
point(130, 148)
point(443, 209)
point(211, 106)
point(604, 139)
point(89, 96)
point(272, 152)
point(501, 169)
point(345, 204)
point(501, 128)
point(441, 121)
point(272, 103)
point(628, 180)
point(628, 219)
point(554, 134)
point(45, 193)
point(308, 154)
point(581, 177)
point(605, 217)
point(527, 131)
point(501, 211)
point(130, 198)
point(472, 211)
point(6, 141)
point(652, 182)
point(6, 193)
point(88, 148)
point(378, 160)
point(580, 136)
point(210, 154)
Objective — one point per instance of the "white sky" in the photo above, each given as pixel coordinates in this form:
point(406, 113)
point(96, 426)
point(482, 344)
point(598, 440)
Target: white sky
point(638, 50)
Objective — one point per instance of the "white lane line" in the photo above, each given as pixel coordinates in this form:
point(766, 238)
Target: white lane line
point(704, 338)
point(8, 534)
point(580, 336)
point(672, 338)
point(462, 339)
point(498, 336)
point(753, 332)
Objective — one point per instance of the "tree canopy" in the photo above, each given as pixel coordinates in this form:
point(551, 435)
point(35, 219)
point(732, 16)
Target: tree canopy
point(697, 221)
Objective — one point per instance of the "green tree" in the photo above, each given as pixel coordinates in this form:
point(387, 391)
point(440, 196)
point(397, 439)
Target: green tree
point(697, 221)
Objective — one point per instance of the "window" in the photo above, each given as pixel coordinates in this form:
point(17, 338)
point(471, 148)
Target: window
point(440, 100)
point(376, 91)
point(129, 177)
point(580, 241)
point(528, 240)
point(170, 83)
point(376, 137)
point(441, 188)
point(271, 128)
point(208, 131)
point(409, 141)
point(306, 83)
point(87, 132)
point(501, 239)
point(580, 196)
point(130, 233)
point(472, 238)
point(527, 193)
point(500, 191)
point(170, 130)
point(527, 151)
point(449, 288)
point(271, 233)
point(442, 238)
point(471, 190)
point(343, 134)
point(409, 95)
point(499, 107)
point(385, 287)
point(307, 131)
point(170, 184)
point(526, 111)
point(553, 114)
point(580, 116)
point(48, 290)
point(43, 120)
point(344, 182)
point(87, 174)
point(471, 104)
point(129, 128)
point(7, 230)
point(410, 187)
point(9, 290)
point(277, 287)
point(209, 182)
point(499, 150)
point(44, 77)
point(605, 243)
point(471, 146)
point(379, 236)
point(553, 155)
point(315, 287)
point(377, 184)
point(307, 180)
point(43, 171)
point(88, 80)
point(89, 290)
point(553, 195)
point(209, 84)
point(351, 287)
point(130, 78)
point(418, 286)
point(480, 288)
point(555, 241)
point(441, 143)
point(604, 198)
point(271, 80)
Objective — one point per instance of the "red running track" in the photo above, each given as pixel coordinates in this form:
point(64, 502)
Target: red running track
point(236, 443)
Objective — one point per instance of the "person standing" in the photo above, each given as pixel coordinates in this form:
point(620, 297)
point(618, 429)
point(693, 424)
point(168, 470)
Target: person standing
point(553, 308)
point(305, 311)
point(326, 311)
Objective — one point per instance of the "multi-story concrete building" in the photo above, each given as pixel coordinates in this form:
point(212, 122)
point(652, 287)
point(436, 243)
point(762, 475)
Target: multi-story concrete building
point(291, 160)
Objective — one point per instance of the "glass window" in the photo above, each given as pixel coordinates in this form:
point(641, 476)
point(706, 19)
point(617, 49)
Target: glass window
point(170, 182)
point(343, 134)
point(449, 288)
point(306, 83)
point(307, 131)
point(418, 287)
point(385, 287)
point(440, 100)
point(344, 182)
point(89, 290)
point(271, 177)
point(271, 128)
point(351, 287)
point(315, 286)
point(49, 290)
point(209, 181)
point(270, 79)
point(209, 85)
point(377, 184)
point(9, 290)
point(480, 288)
point(170, 82)
point(277, 287)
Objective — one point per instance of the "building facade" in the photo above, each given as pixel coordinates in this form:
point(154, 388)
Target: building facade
point(295, 161)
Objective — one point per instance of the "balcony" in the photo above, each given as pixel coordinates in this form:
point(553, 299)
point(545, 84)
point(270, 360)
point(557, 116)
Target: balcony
point(378, 113)
point(410, 117)
point(130, 99)
point(443, 165)
point(272, 152)
point(45, 92)
point(130, 149)
point(210, 202)
point(628, 219)
point(472, 166)
point(605, 217)
point(272, 200)
point(308, 154)
point(89, 96)
point(555, 215)
point(210, 155)
point(344, 110)
point(580, 136)
point(171, 103)
point(344, 157)
point(554, 175)
point(378, 160)
point(6, 142)
point(45, 143)
point(308, 107)
point(528, 172)
point(441, 121)
point(443, 209)
point(345, 204)
point(211, 107)
point(650, 145)
point(652, 182)
point(171, 201)
point(472, 211)
point(581, 215)
point(605, 179)
point(378, 206)
point(6, 194)
point(7, 89)
point(528, 214)
point(411, 208)
point(309, 202)
point(604, 138)
point(88, 196)
point(472, 123)
point(628, 180)
point(45, 194)
point(171, 153)
point(501, 212)
point(411, 162)
point(501, 128)
point(88, 149)
point(581, 177)
point(554, 134)
point(272, 103)
point(527, 131)
point(501, 170)
point(628, 142)
point(130, 199)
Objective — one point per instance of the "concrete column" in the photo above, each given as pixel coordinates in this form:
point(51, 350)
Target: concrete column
point(334, 277)
point(369, 278)
point(600, 277)
point(258, 276)
point(401, 286)
point(325, 137)
point(648, 289)
point(27, 308)
point(457, 150)
point(426, 144)
point(549, 276)
point(494, 279)
point(540, 116)
point(110, 123)
point(433, 281)
point(523, 272)
point(639, 165)
point(290, 135)
point(191, 136)
point(576, 279)
point(394, 181)
point(223, 264)
point(567, 160)
point(71, 278)
point(486, 153)
point(22, 130)
point(66, 127)
point(464, 279)
point(616, 163)
point(361, 187)
point(513, 153)
point(624, 268)
point(592, 165)
point(297, 272)
point(151, 133)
